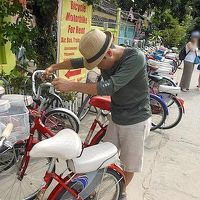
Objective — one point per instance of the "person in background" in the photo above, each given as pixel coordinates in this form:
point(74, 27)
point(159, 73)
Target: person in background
point(192, 52)
point(125, 80)
point(198, 84)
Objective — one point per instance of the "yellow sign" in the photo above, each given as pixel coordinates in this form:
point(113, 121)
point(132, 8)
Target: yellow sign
point(75, 20)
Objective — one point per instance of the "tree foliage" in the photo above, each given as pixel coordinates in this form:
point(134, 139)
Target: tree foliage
point(34, 28)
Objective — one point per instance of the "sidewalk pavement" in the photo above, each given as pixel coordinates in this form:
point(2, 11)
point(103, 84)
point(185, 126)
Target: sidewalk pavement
point(171, 169)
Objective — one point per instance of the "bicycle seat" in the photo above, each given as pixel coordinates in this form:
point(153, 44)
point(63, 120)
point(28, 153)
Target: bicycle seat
point(102, 102)
point(94, 157)
point(152, 68)
point(155, 78)
point(66, 144)
point(169, 89)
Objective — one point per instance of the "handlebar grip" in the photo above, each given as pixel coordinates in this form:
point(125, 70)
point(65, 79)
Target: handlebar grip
point(7, 131)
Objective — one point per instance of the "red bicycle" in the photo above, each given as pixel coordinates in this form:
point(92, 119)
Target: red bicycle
point(97, 170)
point(26, 172)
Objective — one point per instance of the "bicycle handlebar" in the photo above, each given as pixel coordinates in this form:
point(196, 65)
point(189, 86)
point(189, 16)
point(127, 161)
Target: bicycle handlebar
point(39, 73)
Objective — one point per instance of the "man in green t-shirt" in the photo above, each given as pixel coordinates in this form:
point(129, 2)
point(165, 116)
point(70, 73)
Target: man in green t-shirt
point(125, 80)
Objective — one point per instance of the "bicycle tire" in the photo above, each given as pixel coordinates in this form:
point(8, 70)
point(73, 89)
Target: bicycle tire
point(54, 102)
point(157, 107)
point(63, 113)
point(8, 159)
point(176, 102)
point(82, 111)
point(164, 81)
point(64, 195)
point(13, 187)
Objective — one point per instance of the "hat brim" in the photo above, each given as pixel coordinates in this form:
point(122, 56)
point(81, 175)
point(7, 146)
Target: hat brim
point(94, 64)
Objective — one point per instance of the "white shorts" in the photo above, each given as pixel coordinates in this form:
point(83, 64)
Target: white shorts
point(129, 139)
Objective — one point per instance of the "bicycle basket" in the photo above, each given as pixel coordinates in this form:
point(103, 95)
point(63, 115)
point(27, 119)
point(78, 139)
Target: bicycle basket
point(18, 115)
point(18, 98)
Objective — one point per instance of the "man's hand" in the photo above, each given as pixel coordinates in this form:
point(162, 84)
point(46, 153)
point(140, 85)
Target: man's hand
point(49, 71)
point(63, 85)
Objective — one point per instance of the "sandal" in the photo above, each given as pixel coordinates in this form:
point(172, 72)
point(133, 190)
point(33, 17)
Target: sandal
point(184, 90)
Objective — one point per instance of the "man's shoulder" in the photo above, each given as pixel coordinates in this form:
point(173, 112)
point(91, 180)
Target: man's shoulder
point(134, 55)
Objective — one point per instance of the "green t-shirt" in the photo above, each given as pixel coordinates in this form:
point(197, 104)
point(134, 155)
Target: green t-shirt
point(127, 84)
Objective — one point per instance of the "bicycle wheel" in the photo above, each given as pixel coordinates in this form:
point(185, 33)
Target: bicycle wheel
point(54, 101)
point(159, 112)
point(59, 119)
point(14, 187)
point(84, 109)
point(8, 158)
point(164, 81)
point(109, 189)
point(175, 110)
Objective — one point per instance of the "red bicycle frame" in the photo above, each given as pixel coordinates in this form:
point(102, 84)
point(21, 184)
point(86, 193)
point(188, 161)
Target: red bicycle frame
point(41, 129)
point(64, 183)
point(98, 135)
point(103, 103)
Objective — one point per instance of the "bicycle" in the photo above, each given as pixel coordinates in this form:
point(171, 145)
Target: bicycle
point(174, 104)
point(102, 103)
point(19, 175)
point(82, 182)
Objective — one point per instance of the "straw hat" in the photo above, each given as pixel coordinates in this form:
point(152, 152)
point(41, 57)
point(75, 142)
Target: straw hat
point(93, 46)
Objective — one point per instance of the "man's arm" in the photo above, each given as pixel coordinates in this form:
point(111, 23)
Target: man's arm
point(73, 63)
point(64, 85)
point(87, 88)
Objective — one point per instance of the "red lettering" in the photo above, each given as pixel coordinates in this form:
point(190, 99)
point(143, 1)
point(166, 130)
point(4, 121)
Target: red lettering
point(78, 7)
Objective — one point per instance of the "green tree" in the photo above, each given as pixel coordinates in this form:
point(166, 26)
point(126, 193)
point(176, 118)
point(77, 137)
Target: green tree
point(39, 38)
point(171, 31)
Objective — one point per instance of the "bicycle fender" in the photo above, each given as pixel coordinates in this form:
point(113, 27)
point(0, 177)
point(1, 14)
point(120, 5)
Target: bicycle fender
point(181, 101)
point(118, 170)
point(66, 111)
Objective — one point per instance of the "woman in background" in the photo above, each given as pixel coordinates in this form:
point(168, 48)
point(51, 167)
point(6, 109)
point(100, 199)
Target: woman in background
point(192, 51)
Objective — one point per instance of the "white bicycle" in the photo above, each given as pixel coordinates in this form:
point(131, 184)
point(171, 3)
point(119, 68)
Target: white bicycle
point(92, 172)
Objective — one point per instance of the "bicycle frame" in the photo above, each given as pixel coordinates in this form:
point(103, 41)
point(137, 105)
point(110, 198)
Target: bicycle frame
point(38, 126)
point(89, 141)
point(63, 182)
point(43, 130)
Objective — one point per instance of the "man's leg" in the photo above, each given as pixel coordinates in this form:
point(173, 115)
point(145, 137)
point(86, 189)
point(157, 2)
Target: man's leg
point(112, 134)
point(128, 177)
point(132, 139)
